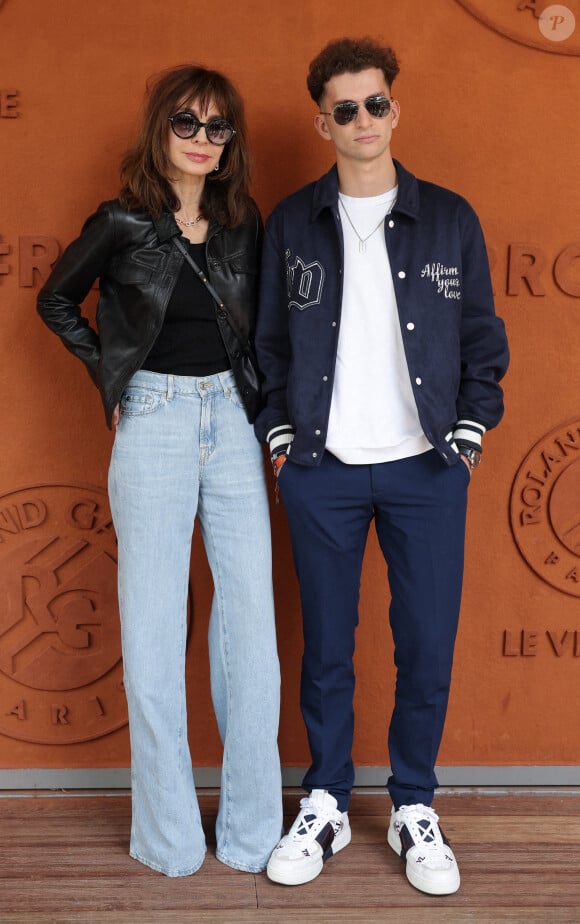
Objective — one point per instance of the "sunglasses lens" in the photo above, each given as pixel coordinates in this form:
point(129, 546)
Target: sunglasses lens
point(219, 131)
point(185, 125)
point(378, 106)
point(344, 113)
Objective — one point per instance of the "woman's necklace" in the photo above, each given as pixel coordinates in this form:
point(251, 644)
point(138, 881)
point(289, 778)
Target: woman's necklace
point(362, 241)
point(188, 224)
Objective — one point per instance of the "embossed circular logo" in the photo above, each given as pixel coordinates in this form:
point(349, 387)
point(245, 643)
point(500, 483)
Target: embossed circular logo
point(60, 647)
point(545, 508)
point(537, 23)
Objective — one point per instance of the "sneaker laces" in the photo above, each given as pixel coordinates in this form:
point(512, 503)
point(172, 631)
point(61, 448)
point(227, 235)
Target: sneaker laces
point(422, 824)
point(313, 816)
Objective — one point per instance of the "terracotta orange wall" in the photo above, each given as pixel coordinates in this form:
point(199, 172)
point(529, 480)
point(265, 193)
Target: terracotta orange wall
point(488, 115)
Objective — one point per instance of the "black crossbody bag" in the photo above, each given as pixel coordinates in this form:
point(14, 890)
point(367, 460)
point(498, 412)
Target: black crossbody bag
point(239, 349)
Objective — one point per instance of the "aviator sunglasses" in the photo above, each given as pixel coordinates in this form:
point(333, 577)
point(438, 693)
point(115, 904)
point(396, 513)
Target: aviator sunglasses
point(186, 125)
point(377, 106)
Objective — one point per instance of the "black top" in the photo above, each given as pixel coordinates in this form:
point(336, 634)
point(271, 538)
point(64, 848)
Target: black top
point(189, 343)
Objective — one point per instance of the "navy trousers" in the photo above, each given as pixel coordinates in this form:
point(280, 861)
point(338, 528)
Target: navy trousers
point(419, 506)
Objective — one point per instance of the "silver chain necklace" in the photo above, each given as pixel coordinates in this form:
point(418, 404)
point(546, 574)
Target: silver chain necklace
point(362, 241)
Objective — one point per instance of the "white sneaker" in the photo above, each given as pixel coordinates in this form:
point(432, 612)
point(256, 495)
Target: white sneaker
point(319, 832)
point(415, 835)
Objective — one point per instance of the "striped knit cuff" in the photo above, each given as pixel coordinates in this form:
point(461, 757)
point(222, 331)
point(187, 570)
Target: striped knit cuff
point(468, 433)
point(280, 439)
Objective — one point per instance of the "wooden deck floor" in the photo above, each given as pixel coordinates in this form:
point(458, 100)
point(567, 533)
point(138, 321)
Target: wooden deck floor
point(64, 859)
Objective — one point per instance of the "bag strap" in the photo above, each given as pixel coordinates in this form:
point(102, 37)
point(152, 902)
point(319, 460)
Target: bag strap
point(217, 298)
point(198, 271)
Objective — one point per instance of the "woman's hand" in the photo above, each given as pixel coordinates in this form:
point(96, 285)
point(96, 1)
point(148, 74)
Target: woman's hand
point(116, 416)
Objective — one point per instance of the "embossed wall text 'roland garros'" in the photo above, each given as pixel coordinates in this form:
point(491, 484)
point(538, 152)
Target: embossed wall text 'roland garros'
point(536, 485)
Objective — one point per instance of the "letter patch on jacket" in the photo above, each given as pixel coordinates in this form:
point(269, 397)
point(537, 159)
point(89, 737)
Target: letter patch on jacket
point(445, 279)
point(305, 282)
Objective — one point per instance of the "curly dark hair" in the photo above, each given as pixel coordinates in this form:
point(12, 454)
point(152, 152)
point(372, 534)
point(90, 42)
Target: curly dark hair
point(145, 166)
point(346, 55)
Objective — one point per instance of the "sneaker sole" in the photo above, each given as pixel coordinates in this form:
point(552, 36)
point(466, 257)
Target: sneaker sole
point(282, 872)
point(444, 888)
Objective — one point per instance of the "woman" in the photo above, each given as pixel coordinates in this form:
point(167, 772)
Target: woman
point(172, 367)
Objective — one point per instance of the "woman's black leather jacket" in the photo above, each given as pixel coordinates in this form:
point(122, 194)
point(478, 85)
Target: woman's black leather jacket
point(137, 265)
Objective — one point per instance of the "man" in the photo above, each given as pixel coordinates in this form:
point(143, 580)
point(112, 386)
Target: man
point(381, 354)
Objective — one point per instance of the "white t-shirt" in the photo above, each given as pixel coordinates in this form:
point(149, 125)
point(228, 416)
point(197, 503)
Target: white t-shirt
point(373, 415)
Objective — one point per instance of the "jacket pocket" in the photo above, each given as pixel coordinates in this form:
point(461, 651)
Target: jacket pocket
point(127, 273)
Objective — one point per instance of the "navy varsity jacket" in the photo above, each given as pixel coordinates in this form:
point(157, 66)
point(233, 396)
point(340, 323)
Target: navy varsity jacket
point(455, 345)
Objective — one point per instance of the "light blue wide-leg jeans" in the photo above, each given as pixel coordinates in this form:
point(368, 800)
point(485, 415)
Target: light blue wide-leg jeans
point(183, 447)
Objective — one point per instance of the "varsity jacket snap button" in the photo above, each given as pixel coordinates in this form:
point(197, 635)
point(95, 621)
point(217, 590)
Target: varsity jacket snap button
point(418, 380)
point(402, 274)
point(410, 326)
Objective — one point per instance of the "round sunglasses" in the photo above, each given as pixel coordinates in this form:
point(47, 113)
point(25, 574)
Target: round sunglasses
point(377, 106)
point(186, 125)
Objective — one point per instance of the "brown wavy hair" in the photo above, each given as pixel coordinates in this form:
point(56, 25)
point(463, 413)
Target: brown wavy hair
point(145, 168)
point(351, 56)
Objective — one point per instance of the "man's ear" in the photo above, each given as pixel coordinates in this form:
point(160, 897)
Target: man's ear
point(396, 112)
point(321, 126)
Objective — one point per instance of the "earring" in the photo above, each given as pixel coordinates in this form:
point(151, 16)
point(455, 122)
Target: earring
point(217, 166)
